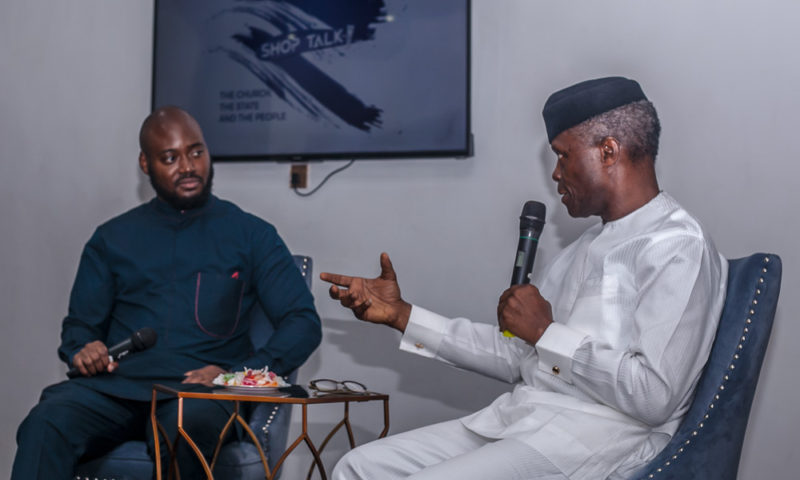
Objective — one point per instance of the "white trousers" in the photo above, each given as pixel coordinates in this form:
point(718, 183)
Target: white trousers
point(445, 451)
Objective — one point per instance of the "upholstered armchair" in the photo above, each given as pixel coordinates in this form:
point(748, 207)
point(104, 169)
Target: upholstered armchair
point(708, 444)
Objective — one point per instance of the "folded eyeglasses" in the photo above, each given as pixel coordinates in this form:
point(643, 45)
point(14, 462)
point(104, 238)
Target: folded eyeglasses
point(327, 386)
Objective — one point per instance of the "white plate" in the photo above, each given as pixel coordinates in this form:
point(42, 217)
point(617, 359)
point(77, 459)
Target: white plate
point(251, 389)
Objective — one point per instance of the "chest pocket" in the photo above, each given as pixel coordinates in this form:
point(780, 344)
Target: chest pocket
point(217, 303)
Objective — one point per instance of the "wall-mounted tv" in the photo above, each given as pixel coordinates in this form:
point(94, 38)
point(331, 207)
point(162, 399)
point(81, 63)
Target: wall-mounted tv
point(318, 79)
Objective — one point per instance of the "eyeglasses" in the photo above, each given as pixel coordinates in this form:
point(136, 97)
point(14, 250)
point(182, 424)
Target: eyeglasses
point(327, 386)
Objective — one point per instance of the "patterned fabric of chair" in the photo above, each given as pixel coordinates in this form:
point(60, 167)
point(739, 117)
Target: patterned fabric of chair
point(708, 443)
point(238, 460)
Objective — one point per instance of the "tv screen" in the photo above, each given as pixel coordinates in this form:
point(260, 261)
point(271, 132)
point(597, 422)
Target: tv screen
point(318, 79)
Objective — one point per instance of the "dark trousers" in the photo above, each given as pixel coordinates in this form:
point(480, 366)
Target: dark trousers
point(72, 422)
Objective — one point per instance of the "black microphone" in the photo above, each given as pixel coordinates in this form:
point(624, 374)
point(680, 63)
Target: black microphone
point(140, 340)
point(531, 223)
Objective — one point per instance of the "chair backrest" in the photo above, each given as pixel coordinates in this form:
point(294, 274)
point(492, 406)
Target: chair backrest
point(708, 443)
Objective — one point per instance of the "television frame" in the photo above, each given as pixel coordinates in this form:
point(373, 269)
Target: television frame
point(464, 151)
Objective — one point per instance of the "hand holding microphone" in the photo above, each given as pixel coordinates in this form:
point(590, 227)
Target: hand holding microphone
point(523, 310)
point(531, 223)
point(94, 358)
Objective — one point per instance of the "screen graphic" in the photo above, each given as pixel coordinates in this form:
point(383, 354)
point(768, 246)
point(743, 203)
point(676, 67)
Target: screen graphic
point(294, 79)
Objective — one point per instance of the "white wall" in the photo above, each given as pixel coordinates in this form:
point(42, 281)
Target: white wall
point(74, 85)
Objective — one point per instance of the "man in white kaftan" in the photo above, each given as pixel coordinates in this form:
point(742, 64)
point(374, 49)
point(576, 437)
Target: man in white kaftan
point(635, 304)
point(606, 367)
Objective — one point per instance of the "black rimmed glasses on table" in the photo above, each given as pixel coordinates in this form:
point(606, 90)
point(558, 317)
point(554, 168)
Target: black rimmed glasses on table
point(328, 386)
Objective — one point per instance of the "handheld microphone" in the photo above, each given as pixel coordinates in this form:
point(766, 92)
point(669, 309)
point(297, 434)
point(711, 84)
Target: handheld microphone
point(140, 340)
point(531, 223)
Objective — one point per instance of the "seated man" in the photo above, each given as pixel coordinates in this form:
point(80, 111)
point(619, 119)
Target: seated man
point(190, 266)
point(608, 349)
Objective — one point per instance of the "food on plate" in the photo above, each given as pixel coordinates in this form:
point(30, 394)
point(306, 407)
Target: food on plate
point(250, 378)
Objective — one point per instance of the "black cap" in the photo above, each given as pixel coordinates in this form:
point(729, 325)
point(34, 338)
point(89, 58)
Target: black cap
point(582, 101)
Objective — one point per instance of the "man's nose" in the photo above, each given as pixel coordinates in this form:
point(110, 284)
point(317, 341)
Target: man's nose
point(185, 164)
point(556, 175)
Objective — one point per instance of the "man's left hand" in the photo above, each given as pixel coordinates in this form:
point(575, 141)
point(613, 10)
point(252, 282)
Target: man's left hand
point(204, 375)
point(524, 312)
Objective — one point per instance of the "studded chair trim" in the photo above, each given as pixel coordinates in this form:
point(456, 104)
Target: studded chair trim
point(708, 443)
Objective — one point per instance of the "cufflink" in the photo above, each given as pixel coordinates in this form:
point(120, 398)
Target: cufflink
point(556, 370)
point(419, 345)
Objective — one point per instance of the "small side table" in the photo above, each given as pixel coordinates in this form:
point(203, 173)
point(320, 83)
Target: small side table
point(222, 394)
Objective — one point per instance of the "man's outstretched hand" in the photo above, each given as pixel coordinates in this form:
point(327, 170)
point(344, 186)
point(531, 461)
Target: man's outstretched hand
point(375, 300)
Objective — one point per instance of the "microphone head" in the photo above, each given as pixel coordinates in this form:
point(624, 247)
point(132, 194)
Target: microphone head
point(143, 338)
point(533, 214)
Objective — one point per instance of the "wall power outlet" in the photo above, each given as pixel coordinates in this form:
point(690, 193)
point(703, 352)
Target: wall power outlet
point(298, 176)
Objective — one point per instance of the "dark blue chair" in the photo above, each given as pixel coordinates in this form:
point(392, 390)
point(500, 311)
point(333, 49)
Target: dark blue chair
point(708, 443)
point(238, 460)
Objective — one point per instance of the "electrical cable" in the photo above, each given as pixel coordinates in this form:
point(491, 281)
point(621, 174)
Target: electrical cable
point(327, 177)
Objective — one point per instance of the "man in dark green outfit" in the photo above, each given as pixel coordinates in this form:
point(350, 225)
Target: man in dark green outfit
point(190, 266)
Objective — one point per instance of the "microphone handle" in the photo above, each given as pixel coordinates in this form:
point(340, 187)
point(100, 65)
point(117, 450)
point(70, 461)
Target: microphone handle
point(523, 265)
point(526, 252)
point(122, 349)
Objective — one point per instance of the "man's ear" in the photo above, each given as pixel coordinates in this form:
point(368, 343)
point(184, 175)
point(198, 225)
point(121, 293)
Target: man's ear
point(610, 150)
point(143, 164)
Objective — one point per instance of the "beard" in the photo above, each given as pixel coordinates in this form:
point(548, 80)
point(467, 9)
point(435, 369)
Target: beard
point(185, 203)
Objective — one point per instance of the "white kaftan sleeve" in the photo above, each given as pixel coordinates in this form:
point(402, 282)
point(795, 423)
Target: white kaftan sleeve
point(468, 345)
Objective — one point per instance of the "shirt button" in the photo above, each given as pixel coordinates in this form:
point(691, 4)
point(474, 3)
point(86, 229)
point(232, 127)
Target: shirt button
point(556, 370)
point(419, 345)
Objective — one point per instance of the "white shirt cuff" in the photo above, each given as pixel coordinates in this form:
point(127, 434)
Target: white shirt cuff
point(424, 332)
point(556, 349)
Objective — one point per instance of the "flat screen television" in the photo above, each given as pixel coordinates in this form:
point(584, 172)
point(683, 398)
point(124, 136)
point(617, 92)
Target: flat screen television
point(318, 79)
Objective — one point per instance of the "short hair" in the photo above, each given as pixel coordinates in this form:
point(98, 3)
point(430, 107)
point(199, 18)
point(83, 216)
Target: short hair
point(634, 125)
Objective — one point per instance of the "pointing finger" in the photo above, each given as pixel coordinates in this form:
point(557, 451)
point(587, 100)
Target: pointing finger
point(336, 279)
